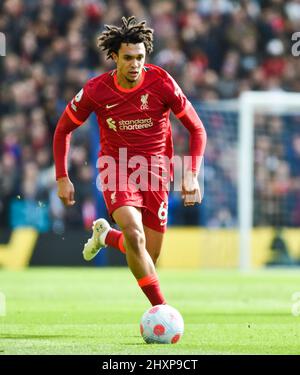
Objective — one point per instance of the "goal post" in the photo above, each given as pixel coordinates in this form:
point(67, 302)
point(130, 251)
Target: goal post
point(249, 103)
point(252, 181)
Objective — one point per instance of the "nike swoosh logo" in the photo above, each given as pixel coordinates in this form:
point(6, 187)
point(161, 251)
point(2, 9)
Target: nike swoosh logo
point(111, 105)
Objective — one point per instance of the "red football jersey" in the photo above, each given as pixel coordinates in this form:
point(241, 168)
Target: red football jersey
point(136, 118)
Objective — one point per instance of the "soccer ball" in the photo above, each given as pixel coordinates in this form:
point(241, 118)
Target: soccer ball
point(162, 324)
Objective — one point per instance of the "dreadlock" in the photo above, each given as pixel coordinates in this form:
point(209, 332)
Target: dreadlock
point(130, 32)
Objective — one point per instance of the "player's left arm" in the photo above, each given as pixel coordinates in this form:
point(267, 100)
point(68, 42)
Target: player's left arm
point(191, 193)
point(186, 113)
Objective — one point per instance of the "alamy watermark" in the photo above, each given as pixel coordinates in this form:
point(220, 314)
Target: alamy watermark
point(2, 44)
point(296, 45)
point(156, 173)
point(2, 304)
point(296, 304)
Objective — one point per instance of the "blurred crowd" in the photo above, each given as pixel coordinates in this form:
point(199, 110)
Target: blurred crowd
point(277, 170)
point(215, 49)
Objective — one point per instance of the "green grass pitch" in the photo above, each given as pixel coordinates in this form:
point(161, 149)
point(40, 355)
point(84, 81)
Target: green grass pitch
point(97, 311)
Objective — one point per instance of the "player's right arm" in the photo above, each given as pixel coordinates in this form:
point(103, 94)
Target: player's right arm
point(74, 115)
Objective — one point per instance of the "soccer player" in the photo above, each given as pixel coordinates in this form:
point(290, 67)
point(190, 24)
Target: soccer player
point(132, 104)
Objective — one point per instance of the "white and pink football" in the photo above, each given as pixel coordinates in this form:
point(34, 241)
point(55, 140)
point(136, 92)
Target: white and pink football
point(162, 324)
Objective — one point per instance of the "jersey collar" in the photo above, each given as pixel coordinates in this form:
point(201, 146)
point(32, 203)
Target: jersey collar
point(120, 88)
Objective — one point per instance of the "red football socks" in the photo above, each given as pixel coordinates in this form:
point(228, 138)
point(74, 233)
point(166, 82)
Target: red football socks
point(150, 286)
point(115, 238)
point(150, 283)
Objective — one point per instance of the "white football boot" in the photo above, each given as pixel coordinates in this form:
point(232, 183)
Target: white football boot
point(97, 242)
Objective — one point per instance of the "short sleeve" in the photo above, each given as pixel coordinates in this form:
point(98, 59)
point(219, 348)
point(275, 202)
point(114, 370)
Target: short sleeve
point(174, 97)
point(81, 106)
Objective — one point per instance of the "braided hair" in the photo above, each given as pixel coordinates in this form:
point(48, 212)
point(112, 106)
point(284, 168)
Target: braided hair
point(131, 31)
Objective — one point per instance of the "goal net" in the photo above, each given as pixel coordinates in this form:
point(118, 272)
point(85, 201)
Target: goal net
point(251, 206)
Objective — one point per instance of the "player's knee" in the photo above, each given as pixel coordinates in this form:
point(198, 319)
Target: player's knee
point(135, 237)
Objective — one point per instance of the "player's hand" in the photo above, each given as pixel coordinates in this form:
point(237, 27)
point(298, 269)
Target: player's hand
point(190, 189)
point(65, 191)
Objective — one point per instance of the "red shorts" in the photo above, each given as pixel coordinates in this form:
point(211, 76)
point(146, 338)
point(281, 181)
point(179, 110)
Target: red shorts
point(153, 203)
